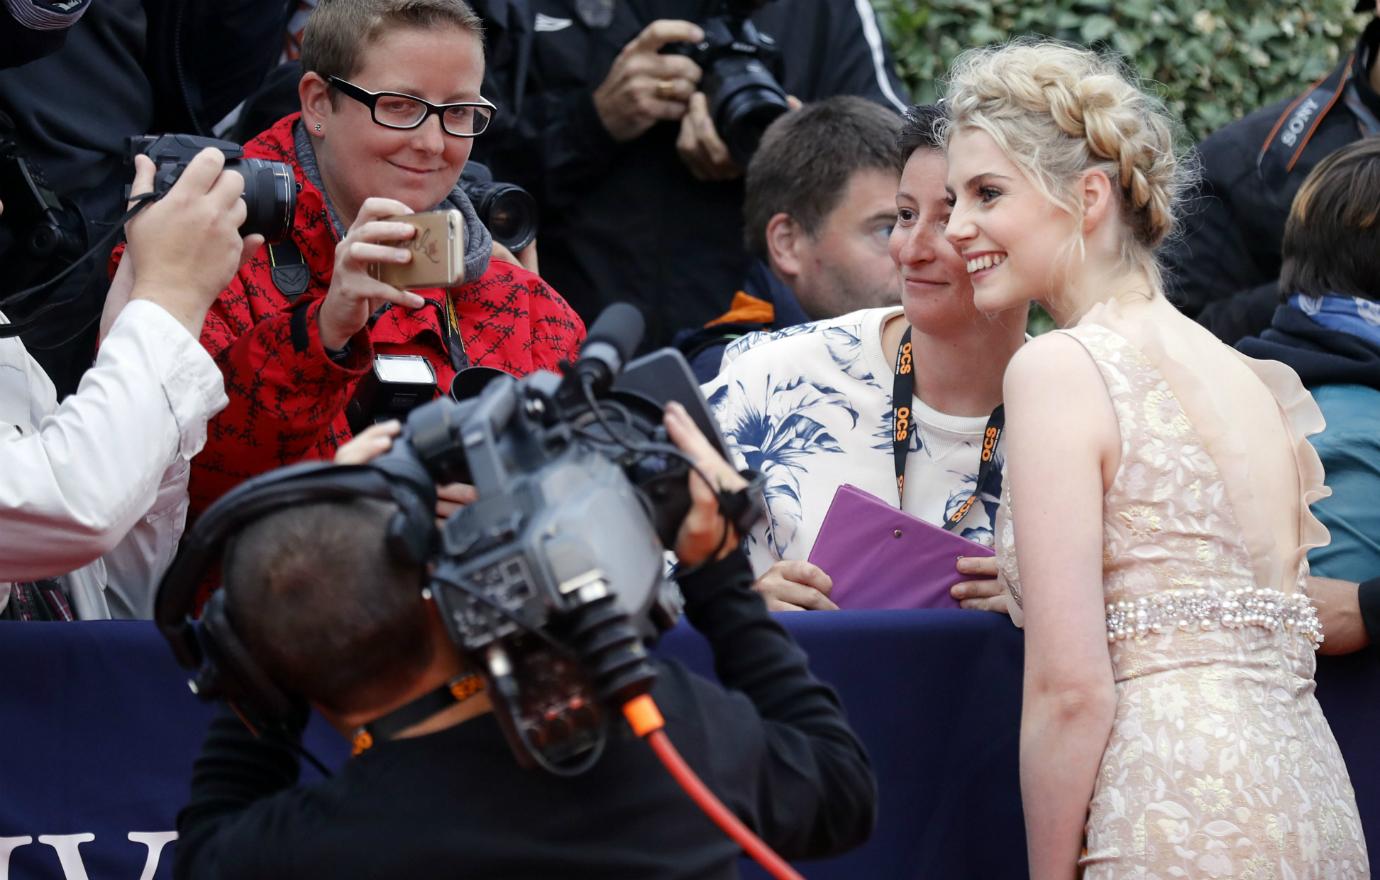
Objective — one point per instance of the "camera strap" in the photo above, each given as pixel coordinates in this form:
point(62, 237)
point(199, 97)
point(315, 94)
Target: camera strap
point(140, 202)
point(1285, 143)
point(450, 332)
point(457, 690)
point(903, 424)
point(288, 269)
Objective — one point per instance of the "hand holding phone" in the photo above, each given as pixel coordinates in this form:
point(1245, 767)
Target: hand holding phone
point(354, 295)
point(438, 252)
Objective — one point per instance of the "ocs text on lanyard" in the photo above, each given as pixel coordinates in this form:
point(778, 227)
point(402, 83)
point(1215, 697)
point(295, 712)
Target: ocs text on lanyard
point(902, 389)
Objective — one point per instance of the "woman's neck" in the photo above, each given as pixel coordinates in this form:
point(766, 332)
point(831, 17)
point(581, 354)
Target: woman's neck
point(959, 374)
point(343, 210)
point(1128, 286)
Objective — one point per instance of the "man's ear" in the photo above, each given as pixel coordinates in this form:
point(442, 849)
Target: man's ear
point(1097, 193)
point(315, 95)
point(784, 240)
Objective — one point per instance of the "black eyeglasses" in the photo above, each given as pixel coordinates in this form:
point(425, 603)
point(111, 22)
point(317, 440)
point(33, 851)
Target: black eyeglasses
point(464, 119)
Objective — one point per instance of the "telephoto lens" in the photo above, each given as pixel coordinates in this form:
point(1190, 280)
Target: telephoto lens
point(507, 210)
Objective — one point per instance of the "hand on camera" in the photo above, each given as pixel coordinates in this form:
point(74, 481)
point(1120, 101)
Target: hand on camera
point(699, 144)
point(354, 295)
point(703, 533)
point(643, 86)
point(526, 258)
point(796, 585)
point(377, 439)
point(450, 497)
point(187, 244)
point(369, 444)
point(986, 593)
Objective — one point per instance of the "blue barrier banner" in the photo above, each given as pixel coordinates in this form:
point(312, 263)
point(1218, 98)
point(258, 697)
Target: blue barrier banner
point(102, 733)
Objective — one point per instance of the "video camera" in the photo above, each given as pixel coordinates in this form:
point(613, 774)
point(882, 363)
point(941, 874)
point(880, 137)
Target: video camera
point(551, 583)
point(555, 578)
point(742, 70)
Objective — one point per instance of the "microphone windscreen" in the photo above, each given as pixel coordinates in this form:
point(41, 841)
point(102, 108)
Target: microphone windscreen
point(621, 326)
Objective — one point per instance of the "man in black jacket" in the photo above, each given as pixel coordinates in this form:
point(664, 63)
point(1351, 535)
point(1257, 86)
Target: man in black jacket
point(330, 615)
point(1225, 270)
point(639, 198)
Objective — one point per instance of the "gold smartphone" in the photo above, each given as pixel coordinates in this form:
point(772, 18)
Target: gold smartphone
point(438, 252)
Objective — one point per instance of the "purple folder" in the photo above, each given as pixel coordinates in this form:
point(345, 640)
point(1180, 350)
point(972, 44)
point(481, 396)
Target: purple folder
point(881, 557)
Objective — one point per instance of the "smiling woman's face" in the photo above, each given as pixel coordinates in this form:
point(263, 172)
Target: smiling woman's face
point(934, 286)
point(1012, 240)
point(360, 159)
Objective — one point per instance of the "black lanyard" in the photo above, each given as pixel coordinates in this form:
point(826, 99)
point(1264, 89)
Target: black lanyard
point(902, 389)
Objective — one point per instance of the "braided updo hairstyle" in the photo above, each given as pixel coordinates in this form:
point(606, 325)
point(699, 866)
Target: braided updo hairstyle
point(1057, 110)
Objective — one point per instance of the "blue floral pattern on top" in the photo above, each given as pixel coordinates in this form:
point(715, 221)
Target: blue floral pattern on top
point(810, 407)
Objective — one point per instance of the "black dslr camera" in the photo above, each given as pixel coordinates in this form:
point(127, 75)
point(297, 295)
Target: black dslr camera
point(554, 580)
point(742, 71)
point(507, 210)
point(270, 192)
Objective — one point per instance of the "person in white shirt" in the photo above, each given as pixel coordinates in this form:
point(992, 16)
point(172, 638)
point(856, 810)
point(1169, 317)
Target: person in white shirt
point(811, 406)
point(93, 490)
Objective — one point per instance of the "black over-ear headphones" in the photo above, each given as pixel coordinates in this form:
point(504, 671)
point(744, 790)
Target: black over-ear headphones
point(221, 665)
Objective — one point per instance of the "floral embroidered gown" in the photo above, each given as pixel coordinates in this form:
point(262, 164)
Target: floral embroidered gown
point(1219, 763)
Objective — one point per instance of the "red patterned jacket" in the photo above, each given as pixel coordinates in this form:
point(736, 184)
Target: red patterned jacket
point(288, 398)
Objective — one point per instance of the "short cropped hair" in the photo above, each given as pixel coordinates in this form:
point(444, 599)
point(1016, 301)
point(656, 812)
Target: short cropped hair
point(1332, 238)
point(806, 159)
point(338, 31)
point(323, 606)
point(921, 130)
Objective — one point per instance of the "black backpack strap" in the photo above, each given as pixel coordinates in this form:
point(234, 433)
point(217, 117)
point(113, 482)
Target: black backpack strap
point(289, 269)
point(1298, 123)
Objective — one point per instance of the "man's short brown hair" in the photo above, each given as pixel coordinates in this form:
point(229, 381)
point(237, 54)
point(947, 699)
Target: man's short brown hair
point(324, 607)
point(807, 158)
point(338, 31)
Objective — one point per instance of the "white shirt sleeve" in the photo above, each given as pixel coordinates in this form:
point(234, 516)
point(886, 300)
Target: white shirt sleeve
point(76, 478)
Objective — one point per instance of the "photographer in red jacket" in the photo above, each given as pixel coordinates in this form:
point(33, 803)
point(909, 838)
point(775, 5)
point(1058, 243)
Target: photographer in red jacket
point(390, 106)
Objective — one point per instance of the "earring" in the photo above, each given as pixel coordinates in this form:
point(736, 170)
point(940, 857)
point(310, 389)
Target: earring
point(318, 128)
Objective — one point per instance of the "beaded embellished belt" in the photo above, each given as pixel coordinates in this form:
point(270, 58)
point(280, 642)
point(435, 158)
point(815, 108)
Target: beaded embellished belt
point(1202, 610)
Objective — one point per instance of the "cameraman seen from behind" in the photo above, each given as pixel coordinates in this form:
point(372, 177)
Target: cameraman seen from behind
point(812, 407)
point(819, 209)
point(329, 614)
point(391, 105)
point(1224, 270)
point(93, 491)
point(631, 124)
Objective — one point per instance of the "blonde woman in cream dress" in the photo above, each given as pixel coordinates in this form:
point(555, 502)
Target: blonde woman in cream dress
point(1155, 519)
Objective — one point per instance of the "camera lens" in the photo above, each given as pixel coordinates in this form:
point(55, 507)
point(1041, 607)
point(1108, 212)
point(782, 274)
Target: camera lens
point(744, 100)
point(508, 211)
point(270, 197)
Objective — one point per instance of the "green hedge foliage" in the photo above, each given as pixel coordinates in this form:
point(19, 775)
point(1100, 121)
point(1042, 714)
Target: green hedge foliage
point(1216, 60)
